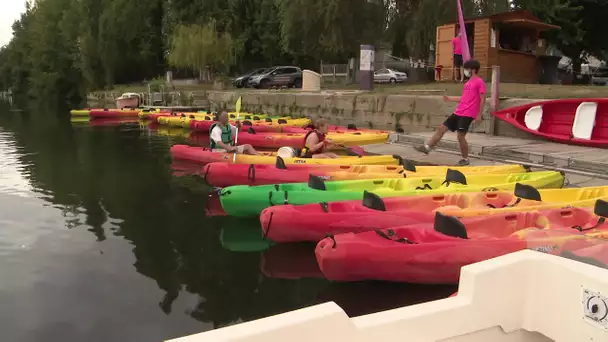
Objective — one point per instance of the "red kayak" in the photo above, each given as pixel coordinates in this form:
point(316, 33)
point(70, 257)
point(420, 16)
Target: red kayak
point(569, 121)
point(213, 206)
point(222, 175)
point(276, 128)
point(312, 222)
point(593, 252)
point(114, 113)
point(431, 253)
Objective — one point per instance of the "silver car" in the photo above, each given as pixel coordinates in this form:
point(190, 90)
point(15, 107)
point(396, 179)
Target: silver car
point(600, 76)
point(389, 76)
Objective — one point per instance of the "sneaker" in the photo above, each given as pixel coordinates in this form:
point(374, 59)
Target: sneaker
point(422, 148)
point(464, 162)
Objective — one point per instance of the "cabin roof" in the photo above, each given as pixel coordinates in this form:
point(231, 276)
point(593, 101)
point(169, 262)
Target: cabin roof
point(519, 17)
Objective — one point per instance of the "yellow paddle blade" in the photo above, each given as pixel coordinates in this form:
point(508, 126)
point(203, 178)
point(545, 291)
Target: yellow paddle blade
point(238, 104)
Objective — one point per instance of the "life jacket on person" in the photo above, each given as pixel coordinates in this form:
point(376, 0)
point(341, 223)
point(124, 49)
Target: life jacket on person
point(306, 152)
point(227, 137)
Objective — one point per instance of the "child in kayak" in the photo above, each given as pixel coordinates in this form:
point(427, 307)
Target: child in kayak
point(316, 142)
point(221, 137)
point(470, 106)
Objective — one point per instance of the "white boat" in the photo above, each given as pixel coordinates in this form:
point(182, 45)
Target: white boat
point(128, 100)
point(526, 296)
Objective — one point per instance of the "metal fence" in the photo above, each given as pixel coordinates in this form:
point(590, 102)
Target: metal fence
point(336, 73)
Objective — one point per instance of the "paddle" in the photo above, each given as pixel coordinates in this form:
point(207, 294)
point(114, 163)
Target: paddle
point(353, 151)
point(238, 114)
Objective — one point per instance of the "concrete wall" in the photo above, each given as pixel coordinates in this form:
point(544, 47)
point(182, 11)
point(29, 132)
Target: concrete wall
point(410, 113)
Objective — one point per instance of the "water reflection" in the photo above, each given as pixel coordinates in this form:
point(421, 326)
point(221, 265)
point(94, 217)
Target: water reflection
point(101, 240)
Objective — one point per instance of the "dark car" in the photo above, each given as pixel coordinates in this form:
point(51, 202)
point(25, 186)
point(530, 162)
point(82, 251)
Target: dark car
point(243, 81)
point(282, 76)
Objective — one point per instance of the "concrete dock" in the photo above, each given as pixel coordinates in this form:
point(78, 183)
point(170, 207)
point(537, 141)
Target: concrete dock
point(520, 150)
point(583, 166)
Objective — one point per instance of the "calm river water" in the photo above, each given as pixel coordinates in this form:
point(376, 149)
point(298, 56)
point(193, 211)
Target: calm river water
point(101, 241)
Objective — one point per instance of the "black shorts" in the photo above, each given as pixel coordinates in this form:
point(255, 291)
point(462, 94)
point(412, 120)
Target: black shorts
point(457, 61)
point(458, 123)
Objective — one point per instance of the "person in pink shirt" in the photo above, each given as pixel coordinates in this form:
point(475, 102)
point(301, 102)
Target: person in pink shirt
point(470, 106)
point(457, 48)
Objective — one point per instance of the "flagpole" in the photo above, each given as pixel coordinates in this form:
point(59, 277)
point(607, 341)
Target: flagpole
point(466, 52)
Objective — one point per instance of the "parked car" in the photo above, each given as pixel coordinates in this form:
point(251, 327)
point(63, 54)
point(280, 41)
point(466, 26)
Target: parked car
point(243, 81)
point(389, 76)
point(282, 76)
point(600, 76)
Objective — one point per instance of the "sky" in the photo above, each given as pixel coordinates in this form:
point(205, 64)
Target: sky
point(10, 11)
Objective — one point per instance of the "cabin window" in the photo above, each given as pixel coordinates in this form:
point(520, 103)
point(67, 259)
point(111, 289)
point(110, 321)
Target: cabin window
point(517, 39)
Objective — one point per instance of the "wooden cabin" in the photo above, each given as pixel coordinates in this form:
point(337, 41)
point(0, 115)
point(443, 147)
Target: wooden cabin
point(511, 40)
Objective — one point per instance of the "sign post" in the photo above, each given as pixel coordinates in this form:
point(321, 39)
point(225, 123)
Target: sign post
point(366, 67)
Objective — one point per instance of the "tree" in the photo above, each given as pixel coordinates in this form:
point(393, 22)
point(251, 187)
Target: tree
point(312, 30)
point(582, 22)
point(198, 47)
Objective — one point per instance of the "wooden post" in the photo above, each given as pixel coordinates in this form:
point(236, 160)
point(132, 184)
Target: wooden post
point(495, 100)
point(334, 74)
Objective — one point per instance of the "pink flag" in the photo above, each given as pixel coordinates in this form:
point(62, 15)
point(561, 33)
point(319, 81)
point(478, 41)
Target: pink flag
point(466, 53)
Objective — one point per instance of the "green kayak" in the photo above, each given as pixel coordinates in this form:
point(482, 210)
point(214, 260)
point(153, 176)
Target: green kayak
point(243, 200)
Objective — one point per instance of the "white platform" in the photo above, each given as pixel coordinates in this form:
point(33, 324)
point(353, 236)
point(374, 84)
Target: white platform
point(522, 297)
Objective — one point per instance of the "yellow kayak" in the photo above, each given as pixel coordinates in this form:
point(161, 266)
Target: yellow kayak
point(524, 198)
point(186, 121)
point(244, 200)
point(354, 172)
point(233, 115)
point(80, 112)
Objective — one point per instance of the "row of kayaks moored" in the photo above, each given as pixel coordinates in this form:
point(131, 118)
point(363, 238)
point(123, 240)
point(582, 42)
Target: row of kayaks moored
point(417, 224)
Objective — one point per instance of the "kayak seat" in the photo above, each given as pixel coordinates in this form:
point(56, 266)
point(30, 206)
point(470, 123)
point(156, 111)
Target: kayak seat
point(450, 226)
point(280, 164)
point(495, 199)
point(584, 120)
point(534, 117)
point(448, 201)
point(373, 201)
point(317, 183)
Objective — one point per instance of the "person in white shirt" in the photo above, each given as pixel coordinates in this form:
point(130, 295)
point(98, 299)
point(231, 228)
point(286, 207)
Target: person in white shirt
point(222, 137)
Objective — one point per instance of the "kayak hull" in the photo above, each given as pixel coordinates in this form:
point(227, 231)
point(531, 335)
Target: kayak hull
point(312, 222)
point(113, 113)
point(297, 140)
point(224, 174)
point(568, 121)
point(426, 254)
point(250, 201)
point(204, 156)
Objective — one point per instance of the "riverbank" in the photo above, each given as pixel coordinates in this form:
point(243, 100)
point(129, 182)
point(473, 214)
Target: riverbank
point(411, 108)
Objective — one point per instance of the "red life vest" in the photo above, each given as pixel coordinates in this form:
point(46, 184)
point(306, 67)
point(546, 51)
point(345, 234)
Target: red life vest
point(306, 152)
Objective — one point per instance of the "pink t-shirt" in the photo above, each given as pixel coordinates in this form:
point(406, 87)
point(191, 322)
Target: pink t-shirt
point(470, 101)
point(457, 45)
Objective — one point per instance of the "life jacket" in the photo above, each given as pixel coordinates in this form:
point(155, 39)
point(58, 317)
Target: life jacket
point(226, 136)
point(306, 152)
